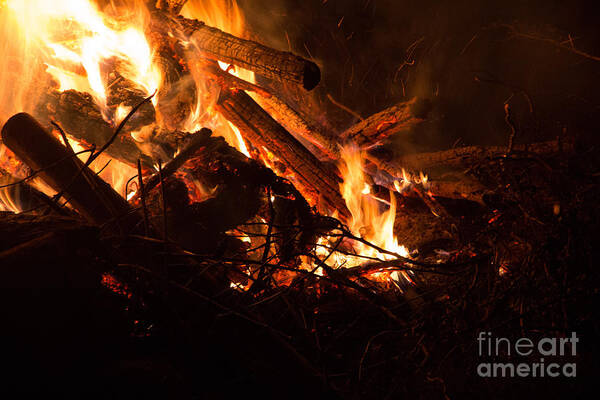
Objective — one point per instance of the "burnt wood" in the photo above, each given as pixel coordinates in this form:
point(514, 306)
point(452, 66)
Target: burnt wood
point(215, 44)
point(260, 129)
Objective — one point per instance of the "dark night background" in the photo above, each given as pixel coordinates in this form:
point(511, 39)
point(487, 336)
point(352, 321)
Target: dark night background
point(362, 55)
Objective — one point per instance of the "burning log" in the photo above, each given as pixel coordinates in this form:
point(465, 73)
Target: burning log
point(64, 172)
point(260, 129)
point(81, 118)
point(200, 226)
point(369, 132)
point(216, 45)
point(377, 127)
point(294, 122)
point(458, 186)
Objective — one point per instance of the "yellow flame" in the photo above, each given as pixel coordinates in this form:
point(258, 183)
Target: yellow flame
point(74, 39)
point(371, 219)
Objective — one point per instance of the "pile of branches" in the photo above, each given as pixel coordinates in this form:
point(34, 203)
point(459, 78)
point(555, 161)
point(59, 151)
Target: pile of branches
point(522, 266)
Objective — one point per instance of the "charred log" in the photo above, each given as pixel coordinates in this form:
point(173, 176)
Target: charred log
point(81, 118)
point(294, 122)
point(378, 127)
point(215, 44)
point(260, 129)
point(65, 173)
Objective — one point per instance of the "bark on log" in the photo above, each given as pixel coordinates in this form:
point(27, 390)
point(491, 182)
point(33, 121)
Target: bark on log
point(260, 129)
point(377, 127)
point(215, 44)
point(64, 172)
point(80, 117)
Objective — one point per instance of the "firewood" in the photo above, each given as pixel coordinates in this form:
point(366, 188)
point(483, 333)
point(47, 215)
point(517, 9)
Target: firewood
point(260, 129)
point(377, 127)
point(467, 156)
point(291, 119)
point(81, 118)
point(64, 172)
point(215, 44)
point(366, 133)
point(198, 140)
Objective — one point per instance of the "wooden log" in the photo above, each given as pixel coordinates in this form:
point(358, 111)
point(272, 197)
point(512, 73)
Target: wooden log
point(64, 172)
point(198, 140)
point(259, 128)
point(465, 188)
point(292, 120)
point(81, 118)
point(367, 133)
point(461, 157)
point(400, 117)
point(455, 186)
point(215, 44)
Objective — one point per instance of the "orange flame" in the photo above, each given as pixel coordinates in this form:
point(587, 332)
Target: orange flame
point(370, 218)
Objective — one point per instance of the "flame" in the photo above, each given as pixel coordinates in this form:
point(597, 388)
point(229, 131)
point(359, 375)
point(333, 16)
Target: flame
point(371, 219)
point(75, 40)
point(226, 16)
point(9, 201)
point(88, 49)
point(116, 173)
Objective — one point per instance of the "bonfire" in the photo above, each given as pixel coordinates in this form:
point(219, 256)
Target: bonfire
point(165, 171)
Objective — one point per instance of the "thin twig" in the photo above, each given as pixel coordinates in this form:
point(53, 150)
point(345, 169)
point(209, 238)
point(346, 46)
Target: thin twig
point(143, 198)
